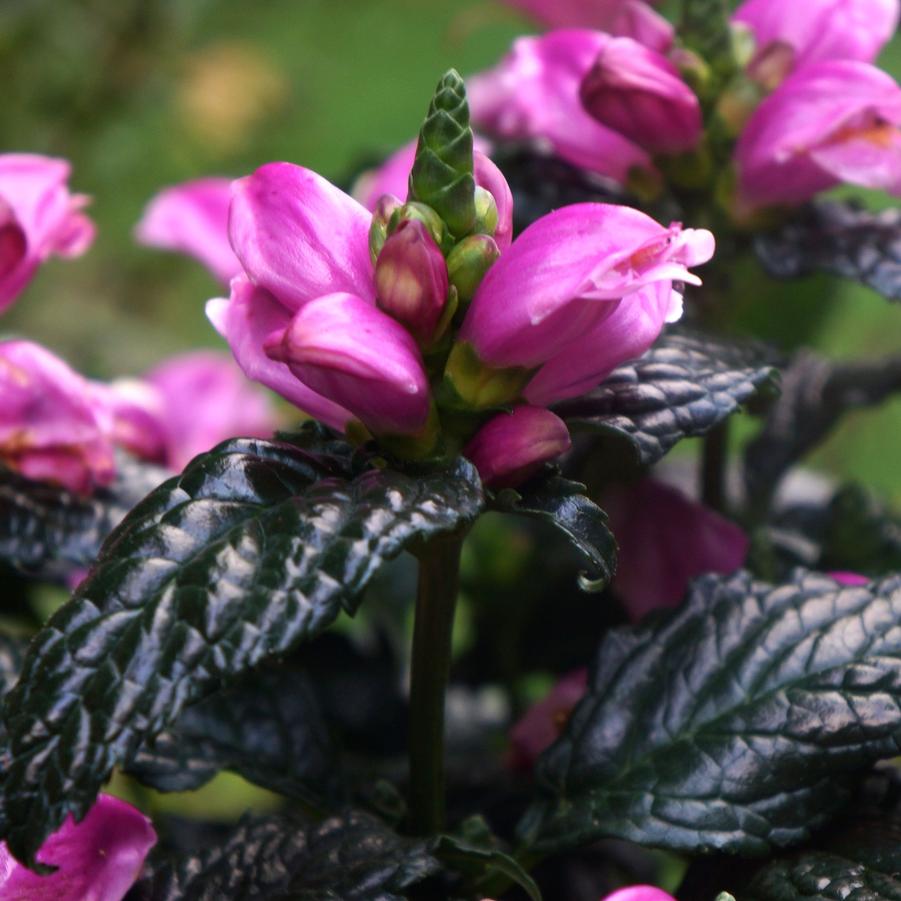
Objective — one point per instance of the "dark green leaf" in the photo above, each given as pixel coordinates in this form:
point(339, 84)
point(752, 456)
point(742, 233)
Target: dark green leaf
point(816, 394)
point(841, 238)
point(246, 554)
point(681, 388)
point(352, 857)
point(269, 728)
point(49, 532)
point(480, 864)
point(563, 504)
point(736, 722)
point(821, 876)
point(860, 534)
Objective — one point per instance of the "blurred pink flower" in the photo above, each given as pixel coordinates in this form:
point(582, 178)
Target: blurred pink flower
point(849, 578)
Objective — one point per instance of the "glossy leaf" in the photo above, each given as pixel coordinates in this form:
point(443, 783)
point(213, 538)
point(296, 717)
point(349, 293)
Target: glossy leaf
point(563, 504)
point(816, 394)
point(255, 548)
point(681, 388)
point(352, 857)
point(48, 531)
point(269, 729)
point(735, 723)
point(841, 238)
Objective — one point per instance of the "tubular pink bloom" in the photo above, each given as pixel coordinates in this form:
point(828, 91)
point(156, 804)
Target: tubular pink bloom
point(38, 218)
point(512, 446)
point(533, 94)
point(629, 18)
point(848, 578)
point(206, 400)
point(829, 122)
point(299, 237)
point(350, 352)
point(411, 279)
point(820, 30)
point(639, 93)
point(52, 426)
point(137, 413)
point(192, 218)
point(666, 540)
point(541, 725)
point(245, 320)
point(391, 177)
point(98, 859)
point(564, 274)
point(623, 335)
point(639, 893)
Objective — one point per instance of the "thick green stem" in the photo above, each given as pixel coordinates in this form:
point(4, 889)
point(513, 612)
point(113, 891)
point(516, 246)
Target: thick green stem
point(439, 576)
point(714, 457)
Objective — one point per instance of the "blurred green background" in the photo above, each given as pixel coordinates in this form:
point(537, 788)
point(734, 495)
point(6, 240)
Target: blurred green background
point(143, 93)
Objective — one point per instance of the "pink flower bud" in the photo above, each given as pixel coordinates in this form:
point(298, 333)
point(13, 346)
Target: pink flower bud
point(99, 857)
point(848, 578)
point(512, 446)
point(39, 218)
point(639, 893)
point(533, 94)
point(53, 427)
point(629, 18)
point(639, 93)
point(540, 726)
point(666, 540)
point(820, 30)
point(828, 123)
point(411, 279)
point(565, 273)
point(192, 218)
point(351, 353)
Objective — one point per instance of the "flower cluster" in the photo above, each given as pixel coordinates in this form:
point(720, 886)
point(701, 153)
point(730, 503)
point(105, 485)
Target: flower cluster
point(803, 109)
point(422, 323)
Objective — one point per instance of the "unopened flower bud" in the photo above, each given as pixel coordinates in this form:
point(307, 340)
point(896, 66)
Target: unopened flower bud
point(411, 279)
point(468, 262)
point(420, 212)
point(639, 93)
point(381, 216)
point(512, 446)
point(486, 212)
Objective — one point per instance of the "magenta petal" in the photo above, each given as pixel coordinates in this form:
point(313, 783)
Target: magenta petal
point(828, 122)
point(639, 893)
point(298, 236)
point(489, 177)
point(138, 413)
point(844, 577)
point(357, 356)
point(192, 218)
point(819, 30)
point(666, 540)
point(98, 859)
point(206, 399)
point(624, 335)
point(245, 320)
point(560, 276)
point(45, 216)
point(512, 446)
point(53, 425)
point(533, 94)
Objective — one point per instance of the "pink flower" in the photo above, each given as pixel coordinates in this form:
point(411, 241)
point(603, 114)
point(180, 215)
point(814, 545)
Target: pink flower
point(344, 348)
point(533, 94)
point(849, 578)
point(640, 94)
point(639, 893)
point(666, 540)
point(565, 274)
point(52, 427)
point(192, 218)
point(97, 859)
point(629, 18)
point(39, 218)
point(540, 726)
point(512, 446)
point(820, 30)
point(828, 123)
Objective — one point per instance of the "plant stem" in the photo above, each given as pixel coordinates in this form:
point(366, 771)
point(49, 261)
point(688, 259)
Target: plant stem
point(436, 598)
point(714, 456)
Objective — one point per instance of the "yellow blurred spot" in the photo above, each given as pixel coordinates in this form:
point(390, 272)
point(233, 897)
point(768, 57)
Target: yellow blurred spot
point(228, 88)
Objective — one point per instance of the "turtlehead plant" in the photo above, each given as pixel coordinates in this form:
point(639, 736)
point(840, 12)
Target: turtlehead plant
point(414, 559)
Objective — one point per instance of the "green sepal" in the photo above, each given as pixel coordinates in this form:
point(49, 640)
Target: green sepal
point(442, 175)
point(471, 384)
